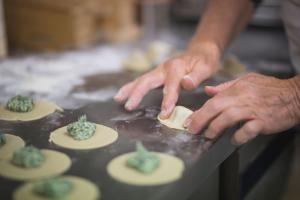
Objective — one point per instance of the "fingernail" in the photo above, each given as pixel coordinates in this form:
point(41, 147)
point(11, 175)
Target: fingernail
point(191, 131)
point(187, 77)
point(187, 122)
point(129, 105)
point(209, 134)
point(165, 112)
point(118, 96)
point(237, 143)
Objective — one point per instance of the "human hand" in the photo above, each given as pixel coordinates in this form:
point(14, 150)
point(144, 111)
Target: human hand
point(187, 70)
point(265, 104)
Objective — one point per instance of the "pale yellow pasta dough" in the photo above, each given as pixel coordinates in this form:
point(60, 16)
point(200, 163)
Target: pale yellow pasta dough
point(40, 110)
point(169, 170)
point(83, 190)
point(12, 144)
point(102, 137)
point(54, 164)
point(177, 118)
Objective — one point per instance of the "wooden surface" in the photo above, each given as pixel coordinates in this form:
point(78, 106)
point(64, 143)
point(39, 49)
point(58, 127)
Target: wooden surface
point(3, 45)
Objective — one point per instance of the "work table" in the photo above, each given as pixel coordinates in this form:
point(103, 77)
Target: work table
point(214, 169)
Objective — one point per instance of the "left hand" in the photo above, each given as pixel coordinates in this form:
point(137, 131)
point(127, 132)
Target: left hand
point(265, 104)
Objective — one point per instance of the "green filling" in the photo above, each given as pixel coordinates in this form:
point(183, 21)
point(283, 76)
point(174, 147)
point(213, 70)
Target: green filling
point(82, 129)
point(56, 187)
point(28, 157)
point(143, 161)
point(2, 139)
point(20, 104)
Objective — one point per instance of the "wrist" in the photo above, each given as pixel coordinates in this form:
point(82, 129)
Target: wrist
point(295, 91)
point(201, 45)
point(207, 50)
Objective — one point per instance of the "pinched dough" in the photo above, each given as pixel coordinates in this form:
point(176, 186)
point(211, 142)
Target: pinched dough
point(177, 118)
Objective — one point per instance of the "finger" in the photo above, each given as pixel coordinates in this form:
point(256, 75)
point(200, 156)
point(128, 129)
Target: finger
point(227, 119)
point(141, 87)
point(213, 90)
point(212, 108)
point(175, 72)
point(248, 131)
point(124, 92)
point(199, 73)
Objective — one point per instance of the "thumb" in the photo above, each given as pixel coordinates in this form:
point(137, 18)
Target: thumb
point(213, 90)
point(198, 74)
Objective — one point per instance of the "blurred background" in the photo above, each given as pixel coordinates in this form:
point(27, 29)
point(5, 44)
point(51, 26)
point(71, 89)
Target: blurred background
point(75, 52)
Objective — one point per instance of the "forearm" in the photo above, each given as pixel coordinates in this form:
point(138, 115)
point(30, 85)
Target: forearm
point(221, 21)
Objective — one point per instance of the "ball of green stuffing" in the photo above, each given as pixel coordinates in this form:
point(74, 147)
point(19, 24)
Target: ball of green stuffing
point(143, 161)
point(28, 157)
point(2, 139)
point(20, 104)
point(56, 187)
point(81, 129)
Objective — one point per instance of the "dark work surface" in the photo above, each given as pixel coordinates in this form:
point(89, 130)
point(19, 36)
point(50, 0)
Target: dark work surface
point(201, 157)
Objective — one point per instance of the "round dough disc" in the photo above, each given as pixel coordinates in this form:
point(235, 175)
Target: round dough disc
point(12, 144)
point(55, 164)
point(83, 189)
point(40, 110)
point(102, 137)
point(170, 169)
point(177, 118)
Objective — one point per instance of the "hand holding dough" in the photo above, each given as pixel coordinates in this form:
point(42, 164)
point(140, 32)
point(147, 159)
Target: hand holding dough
point(177, 118)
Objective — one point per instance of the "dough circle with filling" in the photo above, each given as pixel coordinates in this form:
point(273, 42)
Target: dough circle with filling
point(169, 170)
point(83, 189)
point(55, 163)
point(102, 137)
point(40, 110)
point(12, 144)
point(177, 118)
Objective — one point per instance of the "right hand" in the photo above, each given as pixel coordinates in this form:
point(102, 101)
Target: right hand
point(187, 70)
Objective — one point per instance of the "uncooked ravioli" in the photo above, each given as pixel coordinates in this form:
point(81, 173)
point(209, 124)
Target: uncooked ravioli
point(40, 110)
point(55, 164)
point(177, 118)
point(83, 189)
point(102, 137)
point(169, 170)
point(12, 144)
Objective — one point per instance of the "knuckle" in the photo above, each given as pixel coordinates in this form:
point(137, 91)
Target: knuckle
point(213, 105)
point(252, 74)
point(233, 114)
point(214, 128)
point(146, 78)
point(173, 64)
point(249, 77)
point(250, 129)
